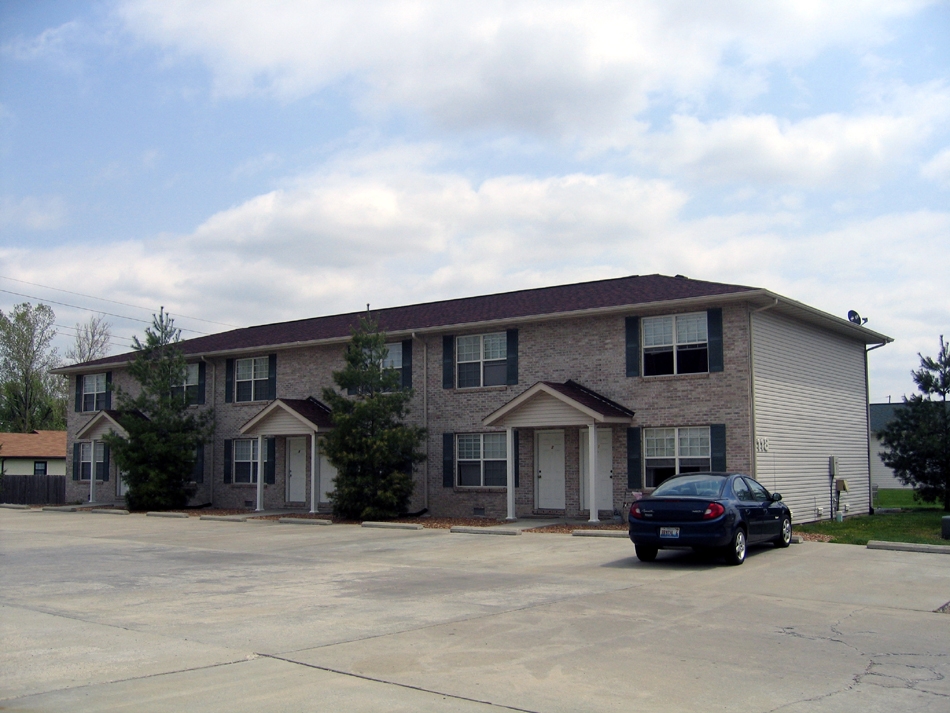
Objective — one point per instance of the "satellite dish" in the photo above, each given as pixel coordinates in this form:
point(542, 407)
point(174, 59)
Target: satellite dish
point(855, 318)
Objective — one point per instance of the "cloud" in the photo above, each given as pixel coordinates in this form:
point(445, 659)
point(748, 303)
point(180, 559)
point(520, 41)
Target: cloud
point(55, 45)
point(937, 169)
point(32, 213)
point(549, 67)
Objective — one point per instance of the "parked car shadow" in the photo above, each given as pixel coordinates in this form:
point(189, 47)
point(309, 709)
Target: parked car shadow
point(686, 558)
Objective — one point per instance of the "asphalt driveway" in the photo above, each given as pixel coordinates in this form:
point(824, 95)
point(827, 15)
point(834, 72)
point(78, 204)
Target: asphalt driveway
point(105, 612)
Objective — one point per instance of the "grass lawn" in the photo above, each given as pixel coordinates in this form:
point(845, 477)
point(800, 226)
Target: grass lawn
point(920, 525)
point(898, 498)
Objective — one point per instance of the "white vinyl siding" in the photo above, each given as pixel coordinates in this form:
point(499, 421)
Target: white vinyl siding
point(810, 403)
point(881, 475)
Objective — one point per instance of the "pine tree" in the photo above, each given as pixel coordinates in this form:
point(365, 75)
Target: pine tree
point(158, 454)
point(370, 445)
point(917, 441)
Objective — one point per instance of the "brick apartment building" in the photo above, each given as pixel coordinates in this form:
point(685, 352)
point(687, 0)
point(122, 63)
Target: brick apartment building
point(525, 393)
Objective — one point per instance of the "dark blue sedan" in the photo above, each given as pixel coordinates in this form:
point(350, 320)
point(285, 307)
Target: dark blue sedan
point(721, 511)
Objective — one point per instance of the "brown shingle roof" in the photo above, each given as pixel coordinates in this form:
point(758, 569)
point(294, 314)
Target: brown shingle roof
point(617, 292)
point(39, 444)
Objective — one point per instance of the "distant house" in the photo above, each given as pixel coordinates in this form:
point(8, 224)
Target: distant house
point(36, 453)
point(567, 400)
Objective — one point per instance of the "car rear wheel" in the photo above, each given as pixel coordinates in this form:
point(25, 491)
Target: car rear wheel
point(646, 553)
point(735, 552)
point(785, 539)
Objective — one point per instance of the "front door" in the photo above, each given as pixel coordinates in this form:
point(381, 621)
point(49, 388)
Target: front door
point(296, 470)
point(605, 466)
point(550, 470)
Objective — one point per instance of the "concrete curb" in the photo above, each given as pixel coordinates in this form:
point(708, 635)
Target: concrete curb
point(601, 533)
point(483, 531)
point(109, 511)
point(797, 539)
point(225, 518)
point(909, 547)
point(392, 525)
point(13, 506)
point(153, 513)
point(62, 508)
point(303, 521)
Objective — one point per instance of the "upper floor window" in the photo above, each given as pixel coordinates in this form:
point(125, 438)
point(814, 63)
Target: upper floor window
point(251, 379)
point(482, 460)
point(94, 392)
point(190, 385)
point(670, 451)
point(393, 358)
point(675, 345)
point(482, 360)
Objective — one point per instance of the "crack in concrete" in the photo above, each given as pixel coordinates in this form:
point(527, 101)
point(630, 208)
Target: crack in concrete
point(453, 696)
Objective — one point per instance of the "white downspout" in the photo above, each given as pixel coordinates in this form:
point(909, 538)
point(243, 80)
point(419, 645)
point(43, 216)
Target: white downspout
point(313, 472)
point(510, 445)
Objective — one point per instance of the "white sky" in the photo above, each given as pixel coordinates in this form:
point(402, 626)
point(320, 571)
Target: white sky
point(248, 162)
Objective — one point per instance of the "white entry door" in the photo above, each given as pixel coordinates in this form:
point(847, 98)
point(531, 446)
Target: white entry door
point(605, 465)
point(296, 470)
point(327, 476)
point(550, 470)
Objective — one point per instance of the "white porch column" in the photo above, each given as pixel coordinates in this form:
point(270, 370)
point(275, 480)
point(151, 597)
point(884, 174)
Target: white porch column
point(92, 472)
point(510, 444)
point(260, 473)
point(592, 471)
point(314, 454)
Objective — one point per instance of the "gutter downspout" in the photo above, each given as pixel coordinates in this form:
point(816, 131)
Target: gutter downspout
point(755, 454)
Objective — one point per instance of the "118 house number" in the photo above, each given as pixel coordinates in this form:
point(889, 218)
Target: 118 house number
point(761, 445)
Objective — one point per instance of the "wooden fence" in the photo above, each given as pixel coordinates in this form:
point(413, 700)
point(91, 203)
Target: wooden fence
point(34, 489)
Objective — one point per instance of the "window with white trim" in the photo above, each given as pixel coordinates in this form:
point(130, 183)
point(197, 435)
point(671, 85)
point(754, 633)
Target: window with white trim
point(675, 345)
point(482, 360)
point(393, 358)
point(93, 392)
point(245, 452)
point(251, 379)
point(189, 387)
point(670, 451)
point(482, 460)
point(86, 463)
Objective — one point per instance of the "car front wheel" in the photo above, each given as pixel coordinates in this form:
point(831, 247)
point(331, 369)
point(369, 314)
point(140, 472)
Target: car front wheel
point(646, 553)
point(785, 539)
point(735, 552)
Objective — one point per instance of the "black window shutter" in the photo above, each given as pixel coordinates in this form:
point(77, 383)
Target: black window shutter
point(407, 364)
point(448, 362)
point(448, 460)
point(201, 383)
point(512, 357)
point(270, 465)
point(272, 376)
point(717, 447)
point(634, 465)
point(79, 378)
point(108, 389)
point(229, 381)
point(76, 452)
point(105, 463)
point(198, 472)
point(517, 457)
point(714, 335)
point(227, 460)
point(633, 346)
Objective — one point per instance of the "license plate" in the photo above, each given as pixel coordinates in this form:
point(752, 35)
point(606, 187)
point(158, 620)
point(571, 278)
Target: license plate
point(669, 532)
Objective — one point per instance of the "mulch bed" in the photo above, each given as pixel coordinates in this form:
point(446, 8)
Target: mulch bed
point(566, 528)
point(814, 537)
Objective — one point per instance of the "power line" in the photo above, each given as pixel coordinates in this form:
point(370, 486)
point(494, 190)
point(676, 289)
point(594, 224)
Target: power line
point(116, 302)
point(86, 309)
point(112, 338)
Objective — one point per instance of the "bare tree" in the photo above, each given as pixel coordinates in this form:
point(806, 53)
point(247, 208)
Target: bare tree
point(30, 395)
point(93, 340)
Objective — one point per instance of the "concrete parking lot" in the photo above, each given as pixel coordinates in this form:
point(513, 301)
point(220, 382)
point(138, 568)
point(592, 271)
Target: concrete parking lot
point(116, 613)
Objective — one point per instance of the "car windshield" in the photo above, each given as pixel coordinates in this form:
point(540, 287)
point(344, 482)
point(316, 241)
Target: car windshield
point(702, 485)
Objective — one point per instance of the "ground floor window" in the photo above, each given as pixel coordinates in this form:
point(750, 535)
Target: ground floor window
point(482, 460)
point(86, 462)
point(669, 451)
point(245, 460)
point(39, 467)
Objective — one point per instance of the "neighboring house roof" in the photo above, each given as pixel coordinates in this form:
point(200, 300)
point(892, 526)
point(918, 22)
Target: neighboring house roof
point(881, 415)
point(621, 293)
point(38, 444)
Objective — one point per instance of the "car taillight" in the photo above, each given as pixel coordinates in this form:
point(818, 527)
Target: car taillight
point(635, 512)
point(713, 511)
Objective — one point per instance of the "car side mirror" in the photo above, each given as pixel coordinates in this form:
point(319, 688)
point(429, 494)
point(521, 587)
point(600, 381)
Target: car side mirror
point(776, 497)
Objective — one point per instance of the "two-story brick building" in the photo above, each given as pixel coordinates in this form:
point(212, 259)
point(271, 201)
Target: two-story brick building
point(525, 393)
